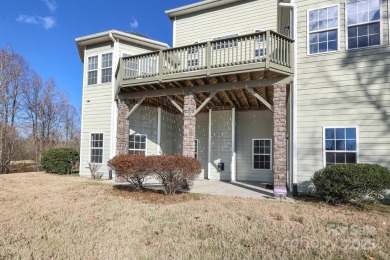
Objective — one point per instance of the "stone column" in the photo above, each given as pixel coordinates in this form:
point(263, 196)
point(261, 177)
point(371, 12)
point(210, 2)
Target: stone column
point(280, 157)
point(122, 135)
point(189, 125)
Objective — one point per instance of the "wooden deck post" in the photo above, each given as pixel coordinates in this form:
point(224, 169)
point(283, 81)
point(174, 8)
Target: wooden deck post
point(189, 124)
point(280, 156)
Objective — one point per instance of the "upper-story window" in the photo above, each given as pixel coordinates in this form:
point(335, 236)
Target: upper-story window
point(106, 67)
point(92, 70)
point(323, 29)
point(363, 23)
point(225, 41)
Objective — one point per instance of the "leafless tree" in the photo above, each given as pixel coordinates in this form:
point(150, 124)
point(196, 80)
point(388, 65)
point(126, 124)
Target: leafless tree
point(34, 116)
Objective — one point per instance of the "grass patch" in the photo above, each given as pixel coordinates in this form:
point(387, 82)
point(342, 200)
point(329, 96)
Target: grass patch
point(152, 196)
point(51, 217)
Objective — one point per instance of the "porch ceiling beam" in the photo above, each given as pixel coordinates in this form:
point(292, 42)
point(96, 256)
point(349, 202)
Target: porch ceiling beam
point(205, 102)
point(135, 107)
point(208, 88)
point(175, 104)
point(254, 93)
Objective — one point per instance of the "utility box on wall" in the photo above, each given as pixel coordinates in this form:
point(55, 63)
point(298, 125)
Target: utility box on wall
point(221, 167)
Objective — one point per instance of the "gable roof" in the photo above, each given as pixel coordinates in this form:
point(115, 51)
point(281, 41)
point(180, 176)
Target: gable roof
point(196, 7)
point(131, 37)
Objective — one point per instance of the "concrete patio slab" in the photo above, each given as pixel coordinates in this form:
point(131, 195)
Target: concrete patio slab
point(255, 190)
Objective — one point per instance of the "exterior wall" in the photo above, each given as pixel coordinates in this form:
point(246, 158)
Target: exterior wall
point(241, 18)
point(202, 134)
point(344, 88)
point(221, 143)
point(167, 132)
point(98, 105)
point(96, 114)
point(131, 49)
point(249, 126)
point(144, 121)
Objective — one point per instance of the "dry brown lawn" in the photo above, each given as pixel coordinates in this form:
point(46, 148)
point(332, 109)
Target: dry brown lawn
point(45, 216)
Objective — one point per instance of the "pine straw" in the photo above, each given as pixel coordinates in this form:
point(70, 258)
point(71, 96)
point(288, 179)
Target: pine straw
point(46, 216)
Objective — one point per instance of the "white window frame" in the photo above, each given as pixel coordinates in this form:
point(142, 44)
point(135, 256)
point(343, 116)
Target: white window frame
point(103, 68)
point(380, 26)
point(344, 151)
point(90, 146)
point(308, 30)
point(146, 144)
point(92, 70)
point(225, 37)
point(196, 153)
point(270, 154)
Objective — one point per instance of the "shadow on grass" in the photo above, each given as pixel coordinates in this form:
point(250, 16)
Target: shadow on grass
point(150, 195)
point(382, 206)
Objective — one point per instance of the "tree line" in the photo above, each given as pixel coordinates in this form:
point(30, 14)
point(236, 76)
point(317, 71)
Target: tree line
point(34, 115)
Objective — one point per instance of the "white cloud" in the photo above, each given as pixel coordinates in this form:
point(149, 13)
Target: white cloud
point(47, 22)
point(51, 4)
point(134, 23)
point(27, 19)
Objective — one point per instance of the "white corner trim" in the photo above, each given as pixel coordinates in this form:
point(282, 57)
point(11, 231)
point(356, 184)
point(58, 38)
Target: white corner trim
point(174, 34)
point(209, 147)
point(233, 163)
point(158, 130)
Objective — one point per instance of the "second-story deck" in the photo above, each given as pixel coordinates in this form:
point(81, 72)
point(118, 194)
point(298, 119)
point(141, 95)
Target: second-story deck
point(228, 67)
point(253, 52)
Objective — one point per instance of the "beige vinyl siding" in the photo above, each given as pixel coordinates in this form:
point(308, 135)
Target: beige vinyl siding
point(345, 88)
point(202, 134)
point(131, 49)
point(242, 18)
point(144, 121)
point(167, 132)
point(98, 104)
point(96, 114)
point(249, 126)
point(221, 141)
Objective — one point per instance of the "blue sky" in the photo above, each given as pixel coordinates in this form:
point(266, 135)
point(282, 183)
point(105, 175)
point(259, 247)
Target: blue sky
point(43, 31)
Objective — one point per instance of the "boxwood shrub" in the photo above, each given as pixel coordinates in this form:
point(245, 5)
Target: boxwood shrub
point(341, 183)
point(59, 160)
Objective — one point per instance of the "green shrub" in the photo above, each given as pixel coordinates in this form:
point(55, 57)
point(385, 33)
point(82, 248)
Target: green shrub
point(172, 171)
point(59, 160)
point(343, 183)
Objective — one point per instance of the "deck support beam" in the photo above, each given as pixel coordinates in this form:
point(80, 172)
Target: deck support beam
point(208, 88)
point(280, 153)
point(189, 125)
point(262, 100)
point(205, 102)
point(135, 107)
point(175, 104)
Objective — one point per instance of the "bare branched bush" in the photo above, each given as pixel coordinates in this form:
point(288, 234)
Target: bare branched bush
point(94, 167)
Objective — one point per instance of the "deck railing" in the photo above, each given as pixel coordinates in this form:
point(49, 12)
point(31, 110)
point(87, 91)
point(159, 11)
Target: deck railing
point(263, 47)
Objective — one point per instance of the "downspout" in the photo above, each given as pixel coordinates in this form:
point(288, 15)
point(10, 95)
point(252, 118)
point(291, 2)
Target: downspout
point(113, 105)
point(293, 33)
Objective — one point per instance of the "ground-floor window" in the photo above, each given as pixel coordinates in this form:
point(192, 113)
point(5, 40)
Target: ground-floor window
point(137, 144)
point(340, 145)
point(96, 147)
point(262, 151)
point(196, 148)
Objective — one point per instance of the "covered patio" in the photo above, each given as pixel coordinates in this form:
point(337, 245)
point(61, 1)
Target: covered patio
point(218, 82)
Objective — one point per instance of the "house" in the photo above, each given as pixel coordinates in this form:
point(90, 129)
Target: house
point(256, 90)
